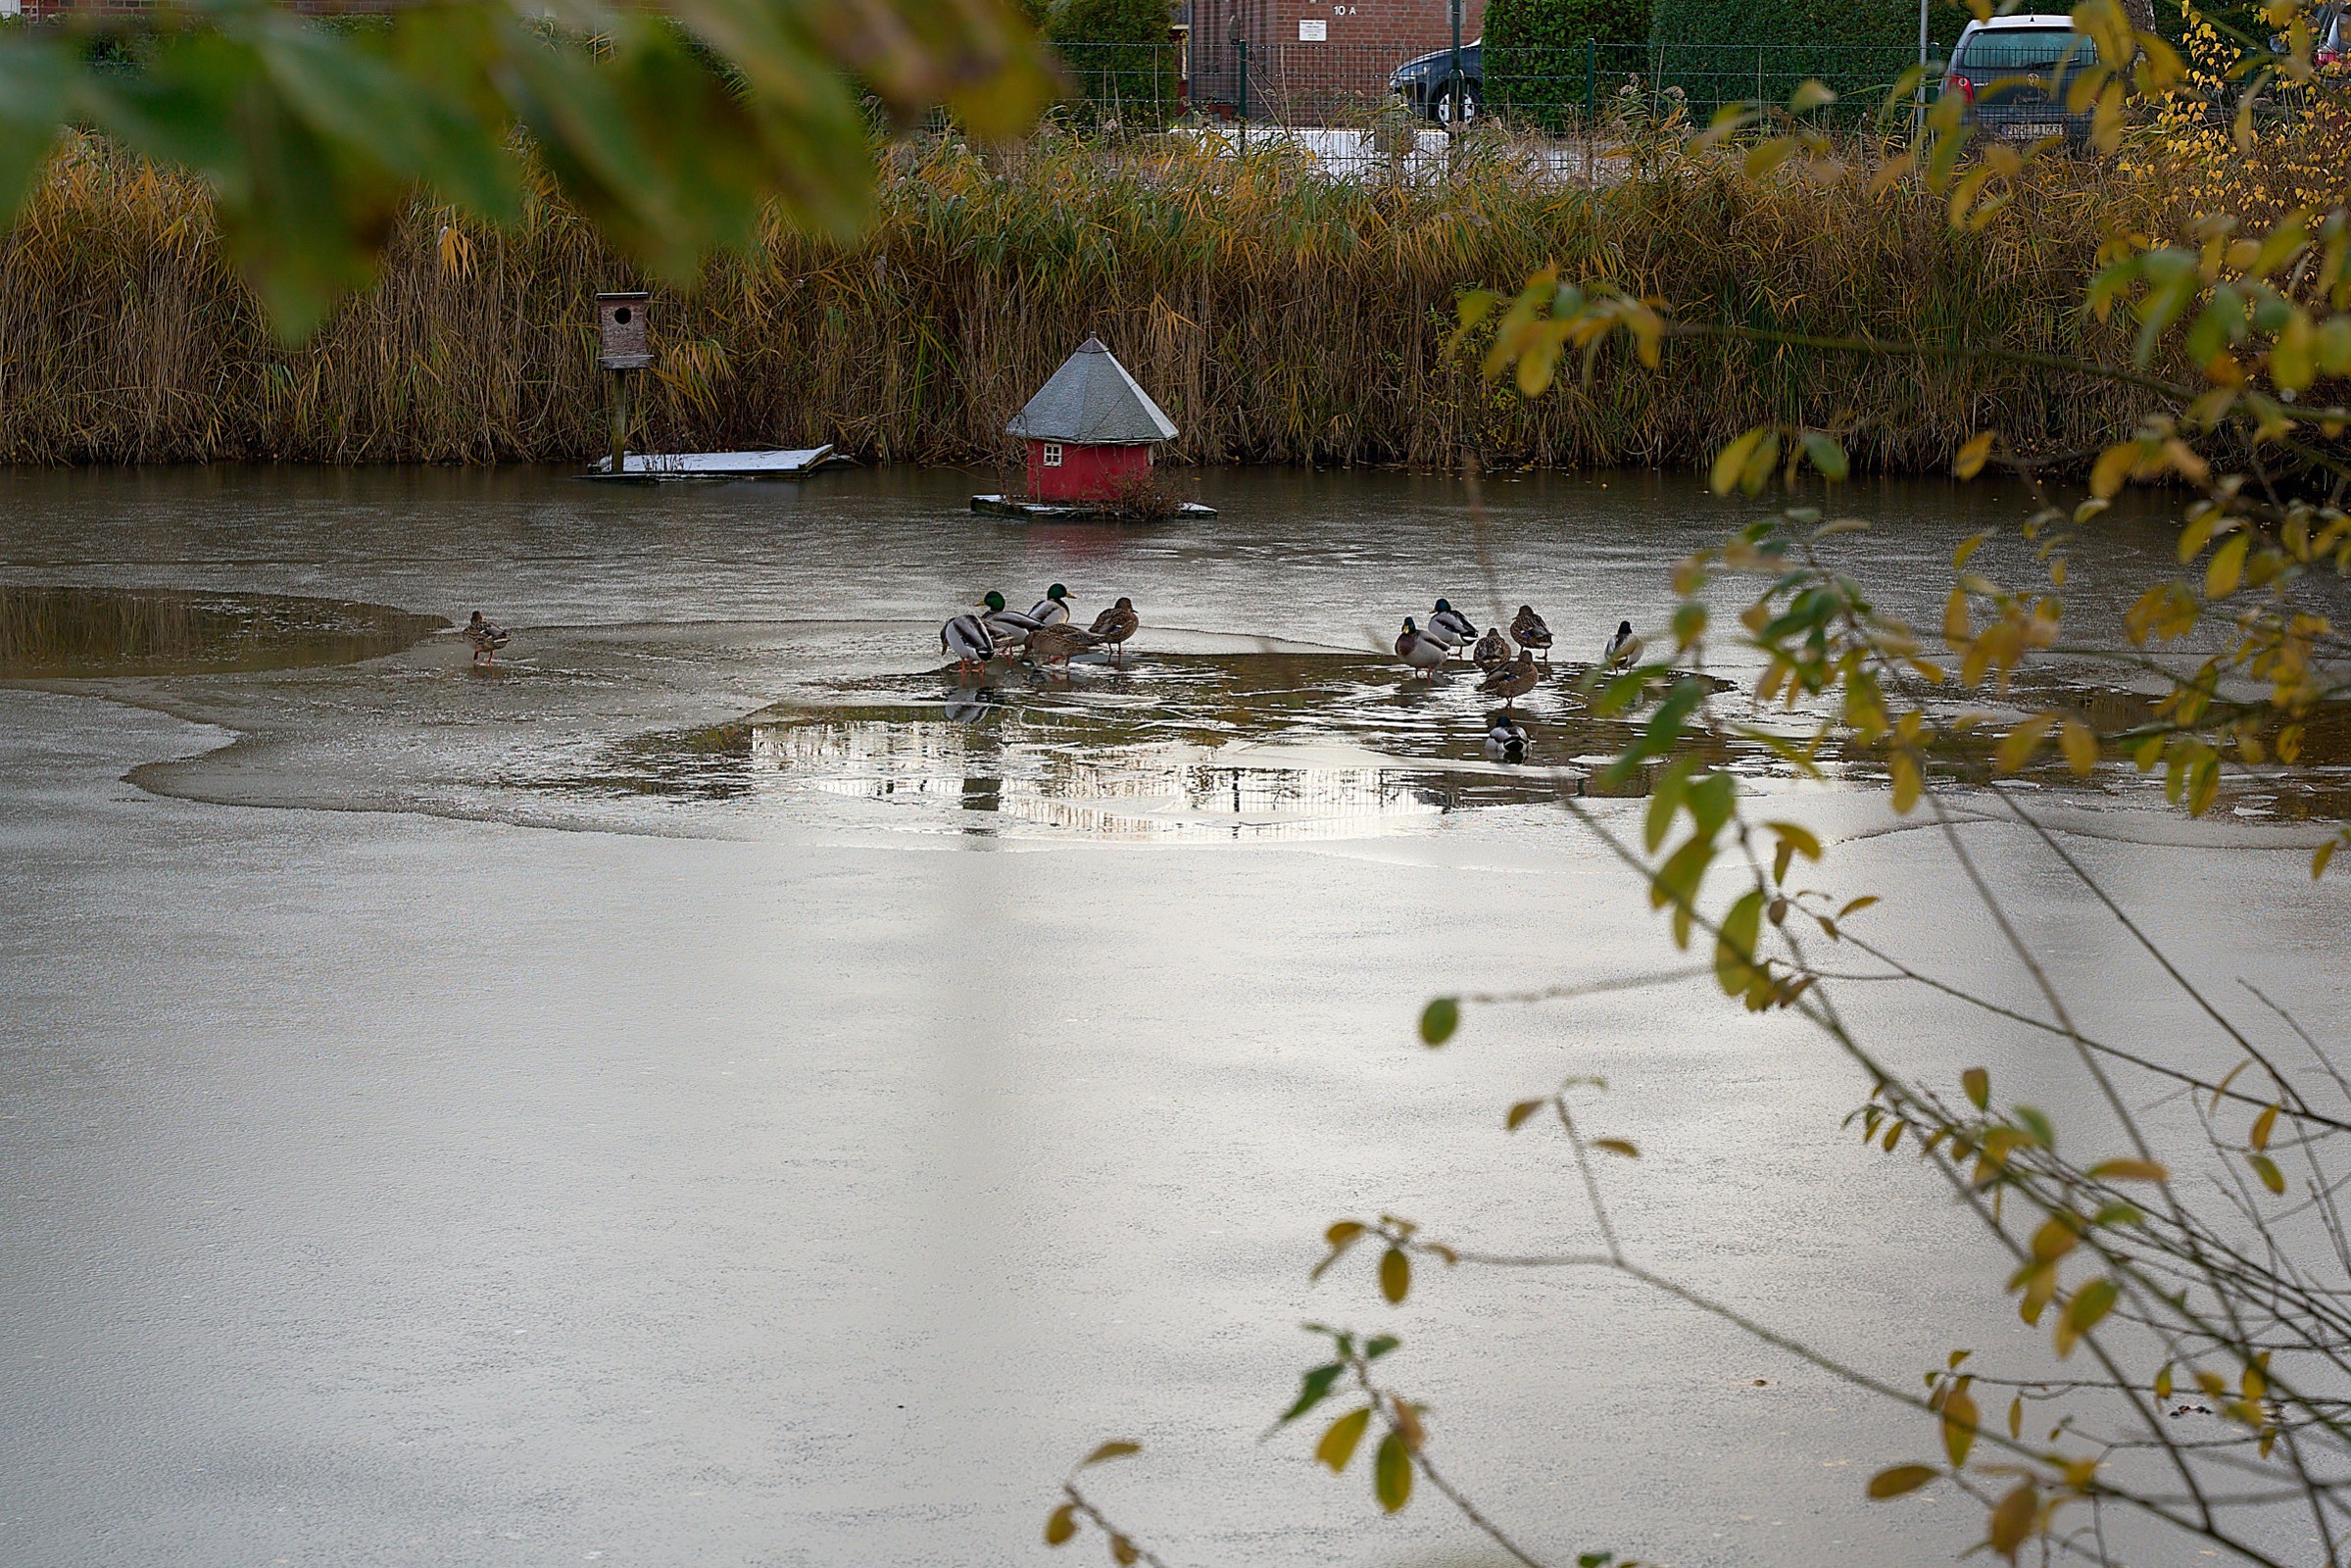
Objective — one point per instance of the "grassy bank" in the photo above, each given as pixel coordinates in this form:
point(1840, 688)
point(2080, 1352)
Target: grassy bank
point(1278, 316)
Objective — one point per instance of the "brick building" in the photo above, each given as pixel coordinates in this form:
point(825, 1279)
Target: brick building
point(1312, 60)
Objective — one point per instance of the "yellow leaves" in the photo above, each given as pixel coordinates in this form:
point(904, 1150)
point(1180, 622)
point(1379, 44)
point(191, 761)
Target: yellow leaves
point(1392, 1473)
point(1971, 455)
point(2163, 613)
point(1339, 1441)
point(1959, 1424)
point(2322, 855)
point(1907, 783)
point(2293, 359)
point(1439, 1019)
point(1977, 1083)
point(1517, 1116)
point(2271, 1176)
point(1342, 1236)
point(1115, 1449)
point(1967, 548)
point(2079, 743)
point(1061, 1524)
point(2020, 742)
point(1617, 1146)
point(1747, 463)
point(1958, 628)
point(2085, 1312)
point(2128, 1170)
point(2226, 568)
point(2012, 1519)
point(2057, 1236)
point(1123, 1553)
point(1792, 840)
point(1395, 1275)
point(2263, 1125)
point(2113, 467)
point(1900, 1480)
point(2039, 1284)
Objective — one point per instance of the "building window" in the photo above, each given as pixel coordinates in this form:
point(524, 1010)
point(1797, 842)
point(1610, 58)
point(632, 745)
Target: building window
point(1052, 454)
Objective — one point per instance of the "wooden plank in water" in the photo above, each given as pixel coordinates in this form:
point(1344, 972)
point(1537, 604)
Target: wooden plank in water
point(655, 466)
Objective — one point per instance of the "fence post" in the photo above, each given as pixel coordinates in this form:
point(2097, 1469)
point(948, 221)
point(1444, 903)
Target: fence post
point(1241, 45)
point(1592, 111)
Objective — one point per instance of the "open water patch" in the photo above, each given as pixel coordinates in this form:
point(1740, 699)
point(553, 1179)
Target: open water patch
point(49, 633)
point(1235, 745)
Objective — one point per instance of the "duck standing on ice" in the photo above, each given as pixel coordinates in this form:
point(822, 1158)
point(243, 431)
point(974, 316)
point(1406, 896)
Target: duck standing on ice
point(1418, 649)
point(967, 638)
point(1530, 633)
point(1116, 624)
point(488, 637)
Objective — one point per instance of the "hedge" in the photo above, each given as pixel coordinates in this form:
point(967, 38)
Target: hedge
point(1537, 52)
point(1719, 51)
point(1118, 55)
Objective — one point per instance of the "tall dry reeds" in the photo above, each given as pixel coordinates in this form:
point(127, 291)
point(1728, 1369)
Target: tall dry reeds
point(1279, 315)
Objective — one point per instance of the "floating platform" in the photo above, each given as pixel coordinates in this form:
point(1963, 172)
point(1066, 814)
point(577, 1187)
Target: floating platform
point(651, 467)
point(1008, 507)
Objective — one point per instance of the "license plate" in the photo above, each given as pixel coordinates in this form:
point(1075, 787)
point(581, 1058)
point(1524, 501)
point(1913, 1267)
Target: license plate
point(2032, 131)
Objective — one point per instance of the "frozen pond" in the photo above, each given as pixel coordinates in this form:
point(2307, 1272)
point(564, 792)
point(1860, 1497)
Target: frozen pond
point(716, 1091)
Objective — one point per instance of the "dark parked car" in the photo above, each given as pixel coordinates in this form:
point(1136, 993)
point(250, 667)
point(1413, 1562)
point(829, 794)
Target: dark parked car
point(1427, 84)
point(2013, 73)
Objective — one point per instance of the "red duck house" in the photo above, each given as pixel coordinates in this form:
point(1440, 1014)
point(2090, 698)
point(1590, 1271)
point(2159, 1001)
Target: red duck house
point(1090, 430)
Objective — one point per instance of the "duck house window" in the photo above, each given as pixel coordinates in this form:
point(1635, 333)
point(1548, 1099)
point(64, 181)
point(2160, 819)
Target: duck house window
point(1052, 454)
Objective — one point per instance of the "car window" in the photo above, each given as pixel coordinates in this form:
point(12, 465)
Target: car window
point(2021, 49)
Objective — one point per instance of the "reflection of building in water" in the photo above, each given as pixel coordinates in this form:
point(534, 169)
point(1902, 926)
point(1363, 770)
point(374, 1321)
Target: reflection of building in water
point(1136, 791)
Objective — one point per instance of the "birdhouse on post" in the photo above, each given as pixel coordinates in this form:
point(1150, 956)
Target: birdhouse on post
point(620, 330)
point(1089, 429)
point(621, 322)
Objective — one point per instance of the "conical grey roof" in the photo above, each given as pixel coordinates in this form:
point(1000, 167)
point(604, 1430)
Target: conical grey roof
point(1090, 399)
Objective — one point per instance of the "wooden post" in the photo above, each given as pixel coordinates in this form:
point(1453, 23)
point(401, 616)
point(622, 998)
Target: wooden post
point(620, 402)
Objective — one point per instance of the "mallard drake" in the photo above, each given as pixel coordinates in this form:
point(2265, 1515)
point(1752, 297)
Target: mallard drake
point(1450, 628)
point(1493, 650)
point(1007, 627)
point(968, 639)
point(1418, 649)
point(1505, 742)
point(1056, 643)
point(1529, 631)
point(1054, 609)
point(1624, 647)
point(1116, 624)
point(488, 637)
point(1512, 681)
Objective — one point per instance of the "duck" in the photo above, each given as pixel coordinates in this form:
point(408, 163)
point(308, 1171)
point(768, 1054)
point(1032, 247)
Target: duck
point(1054, 609)
point(967, 638)
point(1493, 650)
point(1418, 649)
point(488, 637)
point(1007, 627)
point(1505, 741)
point(1054, 643)
point(1450, 628)
point(1624, 647)
point(1512, 681)
point(1529, 632)
point(1116, 624)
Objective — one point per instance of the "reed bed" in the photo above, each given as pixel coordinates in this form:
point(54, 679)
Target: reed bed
point(1280, 316)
